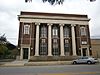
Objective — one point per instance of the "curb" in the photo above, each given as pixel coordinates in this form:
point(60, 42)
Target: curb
point(50, 63)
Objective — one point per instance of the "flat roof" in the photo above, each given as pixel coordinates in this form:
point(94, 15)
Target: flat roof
point(53, 14)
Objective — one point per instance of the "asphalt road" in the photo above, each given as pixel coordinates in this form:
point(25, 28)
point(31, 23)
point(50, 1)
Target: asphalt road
point(52, 70)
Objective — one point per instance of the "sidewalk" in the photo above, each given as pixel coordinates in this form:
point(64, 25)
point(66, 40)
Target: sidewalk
point(14, 63)
point(42, 63)
point(17, 63)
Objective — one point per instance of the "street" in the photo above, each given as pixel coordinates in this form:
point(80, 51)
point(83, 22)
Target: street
point(52, 70)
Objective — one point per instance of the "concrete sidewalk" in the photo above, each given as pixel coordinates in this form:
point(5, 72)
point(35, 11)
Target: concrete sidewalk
point(42, 63)
point(18, 63)
point(14, 63)
point(26, 63)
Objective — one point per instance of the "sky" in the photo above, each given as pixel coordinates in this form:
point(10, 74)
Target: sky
point(10, 9)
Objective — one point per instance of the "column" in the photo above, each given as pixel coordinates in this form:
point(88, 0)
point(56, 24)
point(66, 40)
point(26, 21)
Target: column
point(88, 52)
point(81, 52)
point(61, 40)
point(37, 40)
point(21, 53)
point(73, 40)
point(49, 40)
point(29, 53)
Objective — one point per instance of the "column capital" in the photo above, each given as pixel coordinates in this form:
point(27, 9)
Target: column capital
point(49, 24)
point(61, 24)
point(37, 23)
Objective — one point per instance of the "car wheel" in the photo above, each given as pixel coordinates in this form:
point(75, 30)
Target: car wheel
point(74, 62)
point(89, 62)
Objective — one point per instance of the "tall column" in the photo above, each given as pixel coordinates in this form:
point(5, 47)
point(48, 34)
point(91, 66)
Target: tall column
point(61, 40)
point(49, 40)
point(37, 40)
point(21, 53)
point(73, 40)
point(88, 52)
point(29, 53)
point(81, 52)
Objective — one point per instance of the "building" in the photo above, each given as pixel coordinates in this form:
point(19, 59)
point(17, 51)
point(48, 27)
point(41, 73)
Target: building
point(53, 35)
point(95, 45)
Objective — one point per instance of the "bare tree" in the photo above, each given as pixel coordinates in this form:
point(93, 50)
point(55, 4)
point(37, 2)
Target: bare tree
point(52, 2)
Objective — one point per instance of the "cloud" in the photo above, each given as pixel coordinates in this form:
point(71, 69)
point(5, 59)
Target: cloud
point(9, 10)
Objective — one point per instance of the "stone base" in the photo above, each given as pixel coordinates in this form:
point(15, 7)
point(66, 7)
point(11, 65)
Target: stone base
point(52, 58)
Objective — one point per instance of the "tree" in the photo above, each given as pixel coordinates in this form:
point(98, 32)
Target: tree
point(3, 39)
point(52, 2)
point(3, 50)
point(6, 48)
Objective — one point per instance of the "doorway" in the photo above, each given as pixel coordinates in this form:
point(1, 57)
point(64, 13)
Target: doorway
point(84, 51)
point(25, 53)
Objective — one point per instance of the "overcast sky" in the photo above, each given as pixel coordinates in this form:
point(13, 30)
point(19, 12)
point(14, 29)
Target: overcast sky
point(9, 9)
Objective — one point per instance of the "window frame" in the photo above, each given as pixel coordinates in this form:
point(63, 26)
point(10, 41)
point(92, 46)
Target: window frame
point(26, 29)
point(66, 31)
point(83, 31)
point(55, 31)
point(43, 31)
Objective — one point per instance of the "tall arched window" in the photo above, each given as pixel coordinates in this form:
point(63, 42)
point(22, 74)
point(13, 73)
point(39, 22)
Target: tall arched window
point(55, 41)
point(66, 41)
point(43, 41)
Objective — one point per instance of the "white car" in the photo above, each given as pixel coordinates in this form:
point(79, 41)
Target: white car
point(85, 59)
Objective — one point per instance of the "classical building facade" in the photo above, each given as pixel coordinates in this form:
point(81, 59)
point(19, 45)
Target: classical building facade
point(53, 34)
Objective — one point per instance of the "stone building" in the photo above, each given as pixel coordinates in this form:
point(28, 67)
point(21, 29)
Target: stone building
point(53, 35)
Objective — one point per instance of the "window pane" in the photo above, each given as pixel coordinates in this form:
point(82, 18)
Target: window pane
point(83, 31)
point(66, 46)
point(43, 31)
point(43, 47)
point(55, 47)
point(26, 29)
point(66, 31)
point(55, 32)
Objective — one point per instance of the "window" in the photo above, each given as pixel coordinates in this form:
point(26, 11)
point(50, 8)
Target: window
point(55, 47)
point(55, 32)
point(43, 41)
point(66, 31)
point(83, 31)
point(43, 31)
point(43, 47)
point(26, 29)
point(66, 41)
point(66, 46)
point(54, 40)
point(84, 42)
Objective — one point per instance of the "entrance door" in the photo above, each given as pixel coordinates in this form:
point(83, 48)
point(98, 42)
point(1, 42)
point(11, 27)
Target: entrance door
point(25, 53)
point(84, 51)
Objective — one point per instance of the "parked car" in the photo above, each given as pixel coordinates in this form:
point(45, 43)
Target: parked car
point(85, 60)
